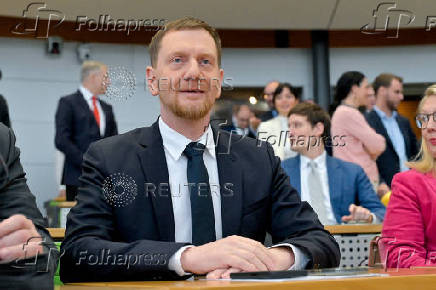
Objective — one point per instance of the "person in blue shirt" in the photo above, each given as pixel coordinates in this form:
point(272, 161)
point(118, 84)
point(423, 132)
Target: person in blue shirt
point(401, 143)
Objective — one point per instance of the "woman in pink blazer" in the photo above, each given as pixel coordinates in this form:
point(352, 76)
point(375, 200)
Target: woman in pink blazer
point(409, 229)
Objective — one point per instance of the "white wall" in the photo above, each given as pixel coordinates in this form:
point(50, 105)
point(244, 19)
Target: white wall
point(33, 82)
point(413, 63)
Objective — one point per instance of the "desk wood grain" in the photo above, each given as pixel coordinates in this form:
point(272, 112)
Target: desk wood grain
point(397, 280)
point(59, 233)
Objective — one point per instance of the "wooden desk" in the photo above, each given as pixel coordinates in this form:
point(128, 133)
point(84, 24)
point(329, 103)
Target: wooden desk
point(354, 229)
point(66, 204)
point(404, 279)
point(59, 233)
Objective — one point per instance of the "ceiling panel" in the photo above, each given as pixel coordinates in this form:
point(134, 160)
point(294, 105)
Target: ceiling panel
point(242, 14)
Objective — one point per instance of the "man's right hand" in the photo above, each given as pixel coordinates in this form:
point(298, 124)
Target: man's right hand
point(231, 252)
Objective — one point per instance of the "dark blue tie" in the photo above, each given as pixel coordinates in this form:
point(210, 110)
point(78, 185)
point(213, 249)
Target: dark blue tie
point(203, 220)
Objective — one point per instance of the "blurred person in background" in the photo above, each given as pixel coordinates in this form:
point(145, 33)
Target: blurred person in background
point(268, 93)
point(241, 121)
point(365, 109)
point(276, 130)
point(409, 229)
point(362, 145)
point(401, 143)
point(82, 118)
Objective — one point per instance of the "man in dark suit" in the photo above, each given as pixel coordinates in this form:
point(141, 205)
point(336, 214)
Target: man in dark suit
point(180, 197)
point(241, 122)
point(28, 255)
point(401, 143)
point(82, 118)
point(339, 191)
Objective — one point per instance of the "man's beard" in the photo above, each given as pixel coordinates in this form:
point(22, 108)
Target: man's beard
point(391, 105)
point(196, 112)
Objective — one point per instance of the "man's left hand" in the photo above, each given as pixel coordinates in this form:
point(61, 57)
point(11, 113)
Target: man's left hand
point(283, 258)
point(358, 213)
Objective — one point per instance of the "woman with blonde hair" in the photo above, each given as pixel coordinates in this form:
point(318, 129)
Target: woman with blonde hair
point(409, 229)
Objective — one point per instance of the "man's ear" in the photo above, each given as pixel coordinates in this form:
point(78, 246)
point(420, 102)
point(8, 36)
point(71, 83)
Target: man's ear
point(319, 129)
point(152, 81)
point(220, 83)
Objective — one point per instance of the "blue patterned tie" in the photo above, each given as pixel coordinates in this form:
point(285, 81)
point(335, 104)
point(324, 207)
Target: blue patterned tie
point(203, 220)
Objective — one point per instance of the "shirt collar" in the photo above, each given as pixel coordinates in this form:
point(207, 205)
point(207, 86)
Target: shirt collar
point(320, 160)
point(383, 115)
point(175, 143)
point(86, 93)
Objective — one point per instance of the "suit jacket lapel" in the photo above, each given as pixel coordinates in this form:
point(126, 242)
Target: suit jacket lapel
point(334, 179)
point(106, 112)
point(82, 102)
point(155, 169)
point(230, 177)
point(382, 129)
point(85, 107)
point(295, 174)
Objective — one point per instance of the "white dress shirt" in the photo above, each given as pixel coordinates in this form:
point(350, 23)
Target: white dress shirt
point(321, 168)
point(174, 144)
point(87, 95)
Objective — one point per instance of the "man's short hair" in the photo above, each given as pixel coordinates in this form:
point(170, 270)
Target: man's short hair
point(314, 114)
point(186, 23)
point(385, 80)
point(237, 108)
point(90, 66)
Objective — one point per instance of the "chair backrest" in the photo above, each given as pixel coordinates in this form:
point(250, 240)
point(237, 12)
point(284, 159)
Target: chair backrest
point(374, 259)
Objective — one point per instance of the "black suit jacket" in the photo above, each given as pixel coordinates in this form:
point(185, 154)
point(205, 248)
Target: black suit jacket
point(388, 162)
point(76, 129)
point(4, 112)
point(256, 197)
point(15, 198)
